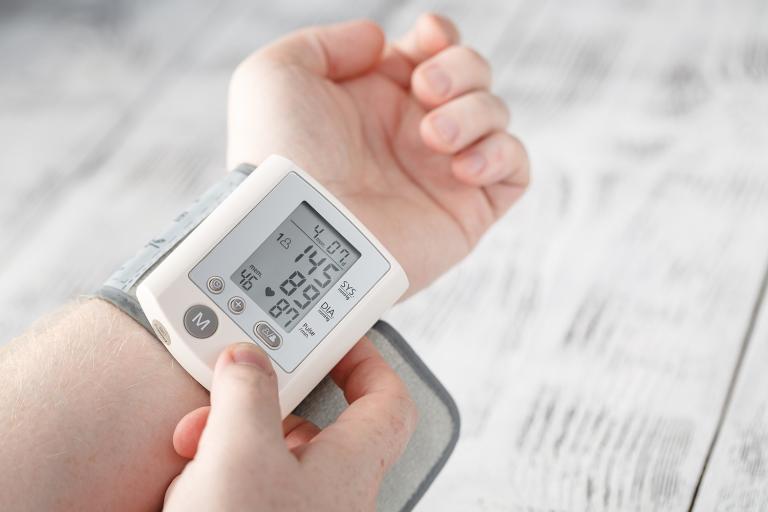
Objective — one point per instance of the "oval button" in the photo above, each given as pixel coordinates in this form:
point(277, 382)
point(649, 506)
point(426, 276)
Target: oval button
point(200, 321)
point(267, 334)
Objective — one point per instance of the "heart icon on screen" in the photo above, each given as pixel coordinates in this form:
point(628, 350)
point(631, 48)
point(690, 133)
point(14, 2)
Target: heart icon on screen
point(269, 291)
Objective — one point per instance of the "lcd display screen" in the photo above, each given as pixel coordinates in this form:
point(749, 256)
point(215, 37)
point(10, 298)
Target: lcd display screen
point(295, 266)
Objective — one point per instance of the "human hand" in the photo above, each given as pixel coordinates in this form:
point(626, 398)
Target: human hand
point(405, 134)
point(242, 459)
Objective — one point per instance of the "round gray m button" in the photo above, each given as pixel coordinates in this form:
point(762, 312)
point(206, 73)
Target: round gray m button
point(200, 321)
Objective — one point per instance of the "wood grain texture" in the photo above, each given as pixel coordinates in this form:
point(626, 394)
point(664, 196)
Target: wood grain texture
point(736, 476)
point(591, 340)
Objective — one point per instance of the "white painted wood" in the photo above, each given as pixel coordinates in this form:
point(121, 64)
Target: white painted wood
point(591, 339)
point(737, 471)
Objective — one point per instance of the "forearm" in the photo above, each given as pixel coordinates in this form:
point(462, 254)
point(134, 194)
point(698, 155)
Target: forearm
point(88, 404)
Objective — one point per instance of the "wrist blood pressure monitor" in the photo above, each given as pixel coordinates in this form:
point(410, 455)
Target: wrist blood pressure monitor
point(268, 255)
point(282, 263)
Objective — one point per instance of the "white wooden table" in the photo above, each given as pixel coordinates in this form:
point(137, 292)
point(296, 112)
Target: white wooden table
point(607, 342)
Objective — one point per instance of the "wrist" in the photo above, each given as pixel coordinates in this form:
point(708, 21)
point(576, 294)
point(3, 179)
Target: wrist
point(93, 393)
point(161, 390)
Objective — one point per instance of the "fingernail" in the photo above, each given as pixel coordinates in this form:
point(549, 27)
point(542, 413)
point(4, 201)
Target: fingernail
point(446, 128)
point(474, 163)
point(437, 80)
point(250, 354)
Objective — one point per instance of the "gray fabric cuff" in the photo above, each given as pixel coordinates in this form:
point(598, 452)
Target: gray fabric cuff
point(120, 288)
point(436, 433)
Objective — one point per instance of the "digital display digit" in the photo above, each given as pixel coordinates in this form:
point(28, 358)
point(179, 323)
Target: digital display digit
point(291, 271)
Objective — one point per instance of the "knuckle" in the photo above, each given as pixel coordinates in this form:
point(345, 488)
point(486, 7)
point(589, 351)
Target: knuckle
point(311, 38)
point(446, 25)
point(471, 54)
point(501, 107)
point(492, 103)
point(519, 162)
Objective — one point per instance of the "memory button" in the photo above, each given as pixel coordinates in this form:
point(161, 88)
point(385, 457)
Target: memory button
point(200, 321)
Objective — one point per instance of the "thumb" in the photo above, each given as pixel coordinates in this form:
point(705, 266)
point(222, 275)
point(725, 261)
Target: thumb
point(245, 413)
point(338, 51)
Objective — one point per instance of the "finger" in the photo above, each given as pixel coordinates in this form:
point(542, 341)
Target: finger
point(371, 434)
point(290, 422)
point(348, 373)
point(335, 51)
point(499, 157)
point(245, 414)
point(188, 430)
point(298, 431)
point(449, 74)
point(513, 180)
point(460, 122)
point(430, 34)
point(395, 66)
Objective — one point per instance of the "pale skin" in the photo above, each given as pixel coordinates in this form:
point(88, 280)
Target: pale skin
point(95, 413)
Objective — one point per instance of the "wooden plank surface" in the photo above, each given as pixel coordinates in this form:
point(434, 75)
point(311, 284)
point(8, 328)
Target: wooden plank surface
point(592, 339)
point(736, 476)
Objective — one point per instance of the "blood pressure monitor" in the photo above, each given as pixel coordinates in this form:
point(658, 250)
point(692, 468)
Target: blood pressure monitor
point(279, 262)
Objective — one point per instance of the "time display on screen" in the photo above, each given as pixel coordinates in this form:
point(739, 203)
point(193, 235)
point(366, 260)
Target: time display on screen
point(291, 271)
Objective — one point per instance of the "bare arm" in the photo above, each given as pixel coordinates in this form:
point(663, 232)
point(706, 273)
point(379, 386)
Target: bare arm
point(89, 401)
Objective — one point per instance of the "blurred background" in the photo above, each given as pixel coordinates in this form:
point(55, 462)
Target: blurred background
point(606, 343)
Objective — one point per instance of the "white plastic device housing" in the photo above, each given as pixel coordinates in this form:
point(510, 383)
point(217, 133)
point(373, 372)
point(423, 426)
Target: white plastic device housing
point(167, 292)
